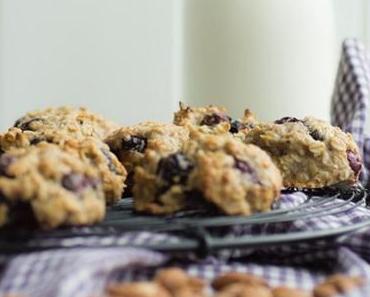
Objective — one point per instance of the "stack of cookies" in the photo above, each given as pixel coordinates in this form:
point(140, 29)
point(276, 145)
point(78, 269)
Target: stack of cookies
point(62, 166)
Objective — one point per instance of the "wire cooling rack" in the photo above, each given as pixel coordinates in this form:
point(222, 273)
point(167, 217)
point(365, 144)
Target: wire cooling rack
point(200, 230)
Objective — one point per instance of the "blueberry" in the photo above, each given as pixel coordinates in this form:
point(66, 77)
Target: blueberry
point(24, 126)
point(129, 185)
point(287, 120)
point(37, 140)
point(195, 200)
point(246, 168)
point(5, 161)
point(316, 135)
point(19, 213)
point(3, 200)
point(175, 168)
point(109, 159)
point(77, 182)
point(236, 126)
point(354, 162)
point(135, 143)
point(214, 119)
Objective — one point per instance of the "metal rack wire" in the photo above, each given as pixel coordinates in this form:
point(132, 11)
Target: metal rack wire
point(198, 229)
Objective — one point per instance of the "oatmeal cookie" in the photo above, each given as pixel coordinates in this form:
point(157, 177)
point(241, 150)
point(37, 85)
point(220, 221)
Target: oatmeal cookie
point(179, 283)
point(211, 171)
point(310, 153)
point(61, 122)
point(131, 143)
point(239, 179)
point(337, 284)
point(137, 289)
point(212, 119)
point(89, 149)
point(51, 186)
point(112, 173)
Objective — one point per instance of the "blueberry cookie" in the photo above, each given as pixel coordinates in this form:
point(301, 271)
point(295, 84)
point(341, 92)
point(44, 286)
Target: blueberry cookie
point(310, 153)
point(212, 119)
point(65, 121)
point(89, 149)
point(52, 187)
point(215, 171)
point(112, 173)
point(131, 143)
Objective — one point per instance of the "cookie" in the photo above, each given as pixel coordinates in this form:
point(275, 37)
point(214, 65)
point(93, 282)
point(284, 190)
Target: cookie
point(337, 284)
point(179, 283)
point(229, 278)
point(310, 153)
point(243, 290)
point(137, 289)
point(212, 119)
point(50, 186)
point(89, 149)
point(111, 172)
point(211, 171)
point(289, 292)
point(59, 122)
point(130, 143)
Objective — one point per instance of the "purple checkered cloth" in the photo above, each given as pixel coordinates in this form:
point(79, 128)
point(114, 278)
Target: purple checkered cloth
point(77, 271)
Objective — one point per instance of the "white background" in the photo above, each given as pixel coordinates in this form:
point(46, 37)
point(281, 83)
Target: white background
point(116, 57)
point(132, 60)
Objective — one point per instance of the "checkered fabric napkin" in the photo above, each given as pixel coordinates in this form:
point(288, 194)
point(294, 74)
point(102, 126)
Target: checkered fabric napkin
point(351, 96)
point(84, 272)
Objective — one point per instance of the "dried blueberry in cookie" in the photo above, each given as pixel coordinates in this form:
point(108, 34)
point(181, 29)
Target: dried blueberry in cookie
point(246, 168)
point(5, 161)
point(30, 125)
point(134, 143)
point(214, 119)
point(76, 182)
point(316, 154)
point(131, 143)
point(236, 126)
point(287, 120)
point(174, 168)
point(315, 134)
point(58, 187)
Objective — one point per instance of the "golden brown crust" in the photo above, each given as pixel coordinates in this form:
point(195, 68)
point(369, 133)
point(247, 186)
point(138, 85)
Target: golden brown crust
point(137, 289)
point(65, 121)
point(309, 153)
point(337, 284)
point(131, 143)
point(88, 149)
point(229, 278)
point(239, 179)
point(179, 283)
point(289, 292)
point(59, 187)
point(112, 173)
point(243, 290)
point(206, 172)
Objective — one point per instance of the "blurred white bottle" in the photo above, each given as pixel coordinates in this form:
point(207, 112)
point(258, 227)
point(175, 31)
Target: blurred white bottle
point(276, 57)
